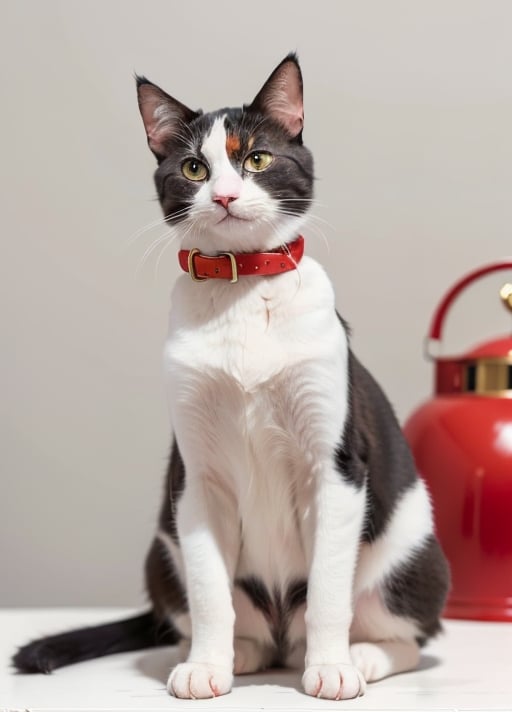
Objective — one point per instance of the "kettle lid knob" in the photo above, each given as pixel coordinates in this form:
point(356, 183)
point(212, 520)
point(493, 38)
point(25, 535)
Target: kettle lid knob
point(506, 295)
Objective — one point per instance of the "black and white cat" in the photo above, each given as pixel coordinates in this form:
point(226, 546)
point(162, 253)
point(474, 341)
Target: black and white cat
point(293, 527)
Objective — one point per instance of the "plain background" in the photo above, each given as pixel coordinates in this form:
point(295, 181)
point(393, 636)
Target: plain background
point(409, 115)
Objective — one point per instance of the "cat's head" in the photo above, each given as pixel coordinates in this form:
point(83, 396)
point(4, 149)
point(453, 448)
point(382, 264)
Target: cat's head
point(234, 179)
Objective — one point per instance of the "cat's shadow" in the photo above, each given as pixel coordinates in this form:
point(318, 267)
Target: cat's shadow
point(156, 664)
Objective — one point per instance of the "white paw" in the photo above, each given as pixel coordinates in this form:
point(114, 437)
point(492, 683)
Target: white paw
point(378, 660)
point(333, 682)
point(370, 659)
point(197, 681)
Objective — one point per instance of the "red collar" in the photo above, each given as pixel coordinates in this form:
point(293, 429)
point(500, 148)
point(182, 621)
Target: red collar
point(227, 265)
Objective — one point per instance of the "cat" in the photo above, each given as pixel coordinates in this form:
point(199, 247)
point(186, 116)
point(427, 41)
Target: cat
point(294, 529)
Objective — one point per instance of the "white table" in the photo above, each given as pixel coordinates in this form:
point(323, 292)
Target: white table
point(469, 668)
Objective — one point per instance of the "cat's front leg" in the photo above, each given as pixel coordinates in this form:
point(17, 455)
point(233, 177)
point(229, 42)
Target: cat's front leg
point(339, 515)
point(207, 530)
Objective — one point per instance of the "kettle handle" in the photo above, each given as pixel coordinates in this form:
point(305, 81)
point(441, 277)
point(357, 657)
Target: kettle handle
point(437, 323)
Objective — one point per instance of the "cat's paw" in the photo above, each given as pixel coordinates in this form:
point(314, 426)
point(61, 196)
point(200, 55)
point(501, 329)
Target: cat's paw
point(333, 682)
point(378, 660)
point(197, 681)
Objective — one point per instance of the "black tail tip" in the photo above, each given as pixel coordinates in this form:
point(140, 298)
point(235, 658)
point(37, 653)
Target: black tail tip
point(34, 658)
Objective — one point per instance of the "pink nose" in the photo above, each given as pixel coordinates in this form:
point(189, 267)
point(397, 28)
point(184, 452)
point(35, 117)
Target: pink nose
point(226, 188)
point(224, 200)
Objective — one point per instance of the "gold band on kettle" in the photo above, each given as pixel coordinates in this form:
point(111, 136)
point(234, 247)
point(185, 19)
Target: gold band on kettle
point(489, 376)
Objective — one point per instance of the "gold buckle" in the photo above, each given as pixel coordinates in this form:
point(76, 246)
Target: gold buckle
point(191, 266)
point(192, 269)
point(234, 268)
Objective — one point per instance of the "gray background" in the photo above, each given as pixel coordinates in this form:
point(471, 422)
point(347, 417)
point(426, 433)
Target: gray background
point(409, 114)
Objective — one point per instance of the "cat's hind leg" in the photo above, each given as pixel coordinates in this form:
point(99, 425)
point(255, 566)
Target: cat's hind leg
point(398, 609)
point(378, 660)
point(250, 656)
point(382, 643)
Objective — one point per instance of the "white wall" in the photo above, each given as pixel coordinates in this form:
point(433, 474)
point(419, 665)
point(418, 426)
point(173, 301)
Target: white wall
point(409, 114)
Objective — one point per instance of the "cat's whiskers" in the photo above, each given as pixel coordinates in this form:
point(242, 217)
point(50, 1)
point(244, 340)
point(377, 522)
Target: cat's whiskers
point(191, 226)
point(160, 222)
point(186, 227)
point(311, 202)
point(288, 211)
point(290, 203)
point(181, 230)
point(276, 228)
point(310, 224)
point(149, 250)
point(142, 230)
point(159, 258)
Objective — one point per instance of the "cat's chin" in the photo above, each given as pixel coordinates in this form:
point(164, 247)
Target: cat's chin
point(232, 235)
point(241, 234)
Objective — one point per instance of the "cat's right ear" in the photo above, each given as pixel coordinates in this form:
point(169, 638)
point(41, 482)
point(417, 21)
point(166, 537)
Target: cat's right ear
point(162, 116)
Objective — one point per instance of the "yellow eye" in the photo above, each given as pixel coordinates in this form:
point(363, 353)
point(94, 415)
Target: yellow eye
point(193, 169)
point(258, 161)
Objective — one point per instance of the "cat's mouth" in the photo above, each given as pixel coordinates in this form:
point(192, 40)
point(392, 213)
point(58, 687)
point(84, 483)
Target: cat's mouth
point(230, 217)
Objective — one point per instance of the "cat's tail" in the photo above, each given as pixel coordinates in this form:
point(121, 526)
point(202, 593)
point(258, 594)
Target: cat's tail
point(47, 654)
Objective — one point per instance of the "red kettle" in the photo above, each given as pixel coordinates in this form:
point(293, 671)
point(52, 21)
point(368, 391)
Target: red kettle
point(461, 440)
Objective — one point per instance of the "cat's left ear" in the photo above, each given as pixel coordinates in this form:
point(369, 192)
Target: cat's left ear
point(163, 116)
point(281, 96)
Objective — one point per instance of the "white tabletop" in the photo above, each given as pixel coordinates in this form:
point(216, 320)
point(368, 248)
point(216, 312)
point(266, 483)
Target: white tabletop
point(468, 668)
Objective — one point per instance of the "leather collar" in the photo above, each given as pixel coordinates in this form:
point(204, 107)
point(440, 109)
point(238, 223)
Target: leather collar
point(229, 265)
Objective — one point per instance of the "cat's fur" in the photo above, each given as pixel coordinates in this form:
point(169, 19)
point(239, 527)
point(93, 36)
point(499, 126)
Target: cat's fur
point(293, 524)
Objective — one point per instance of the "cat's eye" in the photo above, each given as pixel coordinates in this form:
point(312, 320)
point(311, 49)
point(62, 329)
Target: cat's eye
point(194, 169)
point(258, 161)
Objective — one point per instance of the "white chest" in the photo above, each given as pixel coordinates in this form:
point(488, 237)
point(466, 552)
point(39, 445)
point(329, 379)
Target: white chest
point(252, 331)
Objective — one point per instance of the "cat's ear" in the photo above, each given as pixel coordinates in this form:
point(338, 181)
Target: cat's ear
point(162, 115)
point(280, 98)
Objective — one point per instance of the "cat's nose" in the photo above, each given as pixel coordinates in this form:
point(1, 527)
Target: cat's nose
point(224, 200)
point(226, 188)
